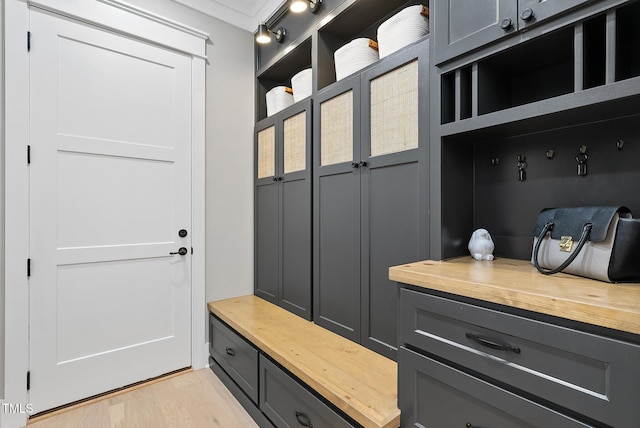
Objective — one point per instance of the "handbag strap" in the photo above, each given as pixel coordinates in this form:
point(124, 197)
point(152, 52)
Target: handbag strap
point(586, 232)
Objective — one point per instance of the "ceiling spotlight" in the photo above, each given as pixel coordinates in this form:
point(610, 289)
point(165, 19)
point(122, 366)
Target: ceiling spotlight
point(263, 36)
point(298, 6)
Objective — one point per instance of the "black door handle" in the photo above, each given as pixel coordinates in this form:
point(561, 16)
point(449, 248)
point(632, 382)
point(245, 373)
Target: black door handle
point(182, 251)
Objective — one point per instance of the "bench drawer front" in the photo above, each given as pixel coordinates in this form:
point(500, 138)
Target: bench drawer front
point(236, 356)
point(463, 400)
point(592, 375)
point(289, 404)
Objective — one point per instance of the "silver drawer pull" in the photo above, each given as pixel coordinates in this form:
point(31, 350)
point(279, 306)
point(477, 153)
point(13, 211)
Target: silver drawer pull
point(230, 351)
point(492, 343)
point(303, 419)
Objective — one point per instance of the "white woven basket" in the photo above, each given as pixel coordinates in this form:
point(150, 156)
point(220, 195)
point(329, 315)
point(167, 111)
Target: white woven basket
point(301, 84)
point(278, 99)
point(354, 56)
point(402, 29)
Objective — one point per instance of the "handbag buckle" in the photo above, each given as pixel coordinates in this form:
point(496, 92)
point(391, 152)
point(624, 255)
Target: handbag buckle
point(566, 243)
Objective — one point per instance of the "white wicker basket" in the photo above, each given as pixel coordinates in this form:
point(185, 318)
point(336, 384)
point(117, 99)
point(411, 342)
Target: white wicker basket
point(278, 99)
point(301, 84)
point(402, 29)
point(355, 56)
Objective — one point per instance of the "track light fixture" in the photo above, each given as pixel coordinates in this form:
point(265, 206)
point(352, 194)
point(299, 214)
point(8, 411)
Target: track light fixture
point(298, 6)
point(263, 36)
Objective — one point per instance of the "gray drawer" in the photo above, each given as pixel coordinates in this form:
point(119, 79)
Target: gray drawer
point(235, 355)
point(593, 375)
point(436, 395)
point(289, 404)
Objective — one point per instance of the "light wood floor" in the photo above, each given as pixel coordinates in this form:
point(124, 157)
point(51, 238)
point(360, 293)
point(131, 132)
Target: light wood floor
point(189, 400)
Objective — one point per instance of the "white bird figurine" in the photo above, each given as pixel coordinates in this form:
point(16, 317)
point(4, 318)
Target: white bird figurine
point(481, 245)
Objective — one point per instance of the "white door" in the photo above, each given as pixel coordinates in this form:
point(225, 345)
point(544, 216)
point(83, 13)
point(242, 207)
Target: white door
point(110, 178)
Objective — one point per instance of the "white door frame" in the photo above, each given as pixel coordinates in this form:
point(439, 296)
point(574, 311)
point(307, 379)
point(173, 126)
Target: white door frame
point(120, 17)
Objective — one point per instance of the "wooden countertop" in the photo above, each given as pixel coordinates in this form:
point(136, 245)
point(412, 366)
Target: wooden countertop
point(355, 379)
point(518, 284)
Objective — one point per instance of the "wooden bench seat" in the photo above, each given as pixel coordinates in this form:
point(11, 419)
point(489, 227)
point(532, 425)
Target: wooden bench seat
point(358, 381)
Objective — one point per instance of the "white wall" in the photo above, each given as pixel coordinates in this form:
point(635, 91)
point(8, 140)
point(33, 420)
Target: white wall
point(229, 145)
point(2, 199)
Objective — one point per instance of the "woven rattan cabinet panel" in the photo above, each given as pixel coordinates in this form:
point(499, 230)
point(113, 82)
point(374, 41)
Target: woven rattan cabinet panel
point(394, 111)
point(370, 203)
point(267, 152)
point(283, 212)
point(295, 143)
point(336, 129)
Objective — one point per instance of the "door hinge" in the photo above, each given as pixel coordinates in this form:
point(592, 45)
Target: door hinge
point(28, 154)
point(28, 381)
point(28, 268)
point(191, 250)
point(28, 41)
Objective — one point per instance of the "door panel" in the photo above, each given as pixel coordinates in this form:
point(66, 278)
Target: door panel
point(267, 235)
point(295, 293)
point(391, 233)
point(109, 190)
point(337, 288)
point(147, 118)
point(94, 212)
point(100, 286)
point(463, 25)
point(545, 9)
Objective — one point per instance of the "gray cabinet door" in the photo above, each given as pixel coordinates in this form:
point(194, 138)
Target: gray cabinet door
point(266, 214)
point(533, 11)
point(235, 355)
point(283, 273)
point(433, 394)
point(460, 26)
point(336, 303)
point(287, 403)
point(295, 211)
point(394, 187)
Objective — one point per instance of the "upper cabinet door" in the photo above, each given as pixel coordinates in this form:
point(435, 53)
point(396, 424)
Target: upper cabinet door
point(533, 11)
point(459, 26)
point(462, 25)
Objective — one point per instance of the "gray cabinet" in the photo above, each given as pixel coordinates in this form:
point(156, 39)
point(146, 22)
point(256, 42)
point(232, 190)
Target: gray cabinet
point(542, 374)
point(574, 81)
point(288, 404)
point(447, 397)
point(370, 195)
point(460, 26)
point(236, 356)
point(337, 209)
point(268, 392)
point(283, 209)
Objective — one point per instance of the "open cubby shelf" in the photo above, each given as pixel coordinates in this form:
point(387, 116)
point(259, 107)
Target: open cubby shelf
point(531, 71)
point(480, 185)
point(628, 41)
point(564, 63)
point(280, 74)
point(312, 41)
point(358, 20)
